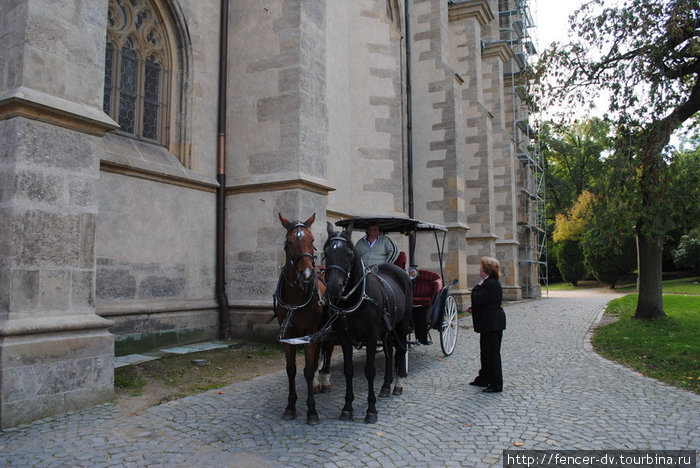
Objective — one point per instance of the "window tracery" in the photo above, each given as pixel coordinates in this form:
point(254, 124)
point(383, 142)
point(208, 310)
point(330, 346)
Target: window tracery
point(137, 67)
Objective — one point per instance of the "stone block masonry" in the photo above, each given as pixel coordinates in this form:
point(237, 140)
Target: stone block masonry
point(55, 353)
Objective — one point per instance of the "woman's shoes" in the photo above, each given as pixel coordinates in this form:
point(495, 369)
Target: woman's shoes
point(478, 383)
point(492, 389)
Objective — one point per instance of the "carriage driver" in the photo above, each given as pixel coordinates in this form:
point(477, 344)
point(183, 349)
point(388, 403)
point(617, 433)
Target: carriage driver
point(375, 247)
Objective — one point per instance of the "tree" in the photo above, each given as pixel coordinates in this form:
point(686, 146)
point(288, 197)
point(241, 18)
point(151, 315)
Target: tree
point(572, 155)
point(572, 225)
point(608, 246)
point(646, 55)
point(570, 261)
point(684, 175)
point(687, 254)
point(569, 231)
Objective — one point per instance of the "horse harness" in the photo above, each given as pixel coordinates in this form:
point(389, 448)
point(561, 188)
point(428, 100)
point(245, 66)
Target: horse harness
point(337, 311)
point(277, 298)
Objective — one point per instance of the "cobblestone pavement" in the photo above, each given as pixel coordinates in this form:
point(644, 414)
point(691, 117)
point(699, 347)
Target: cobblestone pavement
point(558, 395)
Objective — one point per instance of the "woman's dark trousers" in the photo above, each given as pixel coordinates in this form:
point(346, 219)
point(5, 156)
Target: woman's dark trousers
point(490, 344)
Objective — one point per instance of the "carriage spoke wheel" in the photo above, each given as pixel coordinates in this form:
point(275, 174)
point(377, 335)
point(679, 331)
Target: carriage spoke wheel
point(450, 325)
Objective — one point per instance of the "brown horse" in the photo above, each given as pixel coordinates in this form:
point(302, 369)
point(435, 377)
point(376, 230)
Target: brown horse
point(301, 314)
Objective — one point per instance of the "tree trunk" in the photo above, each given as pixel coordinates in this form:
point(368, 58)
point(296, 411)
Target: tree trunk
point(650, 304)
point(653, 221)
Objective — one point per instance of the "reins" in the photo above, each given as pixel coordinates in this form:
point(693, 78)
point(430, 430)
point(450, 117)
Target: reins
point(337, 311)
point(278, 298)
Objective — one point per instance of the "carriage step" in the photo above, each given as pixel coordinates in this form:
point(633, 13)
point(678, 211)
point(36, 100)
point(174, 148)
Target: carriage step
point(297, 341)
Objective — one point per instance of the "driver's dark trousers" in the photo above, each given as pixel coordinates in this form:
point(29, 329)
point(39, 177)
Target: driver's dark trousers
point(490, 372)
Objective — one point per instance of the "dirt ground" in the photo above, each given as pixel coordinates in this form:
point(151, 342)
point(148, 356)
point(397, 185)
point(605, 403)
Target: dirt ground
point(141, 386)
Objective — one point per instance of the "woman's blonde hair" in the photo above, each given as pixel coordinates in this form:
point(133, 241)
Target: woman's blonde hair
point(491, 267)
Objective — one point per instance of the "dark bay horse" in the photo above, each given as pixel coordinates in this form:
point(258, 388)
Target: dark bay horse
point(366, 306)
point(300, 312)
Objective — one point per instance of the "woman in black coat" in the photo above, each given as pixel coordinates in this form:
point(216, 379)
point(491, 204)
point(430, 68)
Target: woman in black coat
point(489, 321)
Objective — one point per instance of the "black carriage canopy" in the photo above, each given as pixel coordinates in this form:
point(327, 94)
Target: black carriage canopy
point(389, 224)
point(405, 226)
point(442, 313)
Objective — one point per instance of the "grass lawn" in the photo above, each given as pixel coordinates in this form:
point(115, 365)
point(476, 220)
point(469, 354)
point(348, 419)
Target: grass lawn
point(677, 286)
point(666, 349)
point(583, 284)
point(623, 285)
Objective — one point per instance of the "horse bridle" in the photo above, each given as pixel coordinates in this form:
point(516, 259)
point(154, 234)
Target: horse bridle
point(277, 298)
point(346, 272)
point(293, 260)
point(300, 282)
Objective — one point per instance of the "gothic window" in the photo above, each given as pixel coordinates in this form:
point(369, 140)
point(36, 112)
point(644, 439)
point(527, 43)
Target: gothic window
point(136, 90)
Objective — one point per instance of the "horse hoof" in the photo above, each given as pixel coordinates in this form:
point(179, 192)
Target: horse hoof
point(289, 414)
point(398, 391)
point(312, 419)
point(384, 392)
point(371, 418)
point(347, 416)
point(326, 389)
point(317, 389)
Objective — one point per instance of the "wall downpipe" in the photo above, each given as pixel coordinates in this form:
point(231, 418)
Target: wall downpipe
point(222, 299)
point(409, 126)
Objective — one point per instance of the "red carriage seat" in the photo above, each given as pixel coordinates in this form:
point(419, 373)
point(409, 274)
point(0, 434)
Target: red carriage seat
point(401, 260)
point(427, 286)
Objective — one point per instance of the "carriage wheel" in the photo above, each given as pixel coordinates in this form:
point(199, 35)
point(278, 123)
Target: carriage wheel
point(450, 325)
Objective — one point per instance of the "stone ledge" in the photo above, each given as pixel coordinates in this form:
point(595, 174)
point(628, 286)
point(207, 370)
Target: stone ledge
point(481, 236)
point(478, 9)
point(131, 157)
point(36, 105)
point(114, 310)
point(277, 182)
point(52, 324)
point(457, 226)
point(499, 49)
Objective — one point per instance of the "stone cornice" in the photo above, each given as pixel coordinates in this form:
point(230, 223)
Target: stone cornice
point(499, 49)
point(147, 174)
point(478, 9)
point(481, 236)
point(457, 226)
point(37, 105)
point(115, 310)
point(298, 181)
point(507, 242)
point(52, 324)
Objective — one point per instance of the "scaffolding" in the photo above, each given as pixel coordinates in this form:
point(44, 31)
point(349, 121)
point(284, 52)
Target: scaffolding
point(515, 26)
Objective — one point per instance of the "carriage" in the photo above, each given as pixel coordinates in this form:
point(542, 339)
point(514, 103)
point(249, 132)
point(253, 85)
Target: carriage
point(434, 308)
point(363, 307)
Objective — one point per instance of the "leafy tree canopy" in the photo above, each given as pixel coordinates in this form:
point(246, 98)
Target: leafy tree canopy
point(573, 155)
point(573, 225)
point(645, 56)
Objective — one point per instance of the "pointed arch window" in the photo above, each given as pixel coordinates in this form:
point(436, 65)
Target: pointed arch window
point(137, 65)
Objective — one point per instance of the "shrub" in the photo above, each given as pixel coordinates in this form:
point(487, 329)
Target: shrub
point(570, 261)
point(609, 249)
point(687, 254)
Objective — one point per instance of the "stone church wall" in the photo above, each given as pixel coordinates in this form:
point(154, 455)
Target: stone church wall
point(107, 241)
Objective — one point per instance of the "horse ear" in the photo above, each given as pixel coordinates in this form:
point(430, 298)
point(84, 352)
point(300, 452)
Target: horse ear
point(311, 220)
point(349, 228)
point(285, 222)
point(329, 228)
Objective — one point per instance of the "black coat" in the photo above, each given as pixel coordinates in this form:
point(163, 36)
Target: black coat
point(487, 313)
